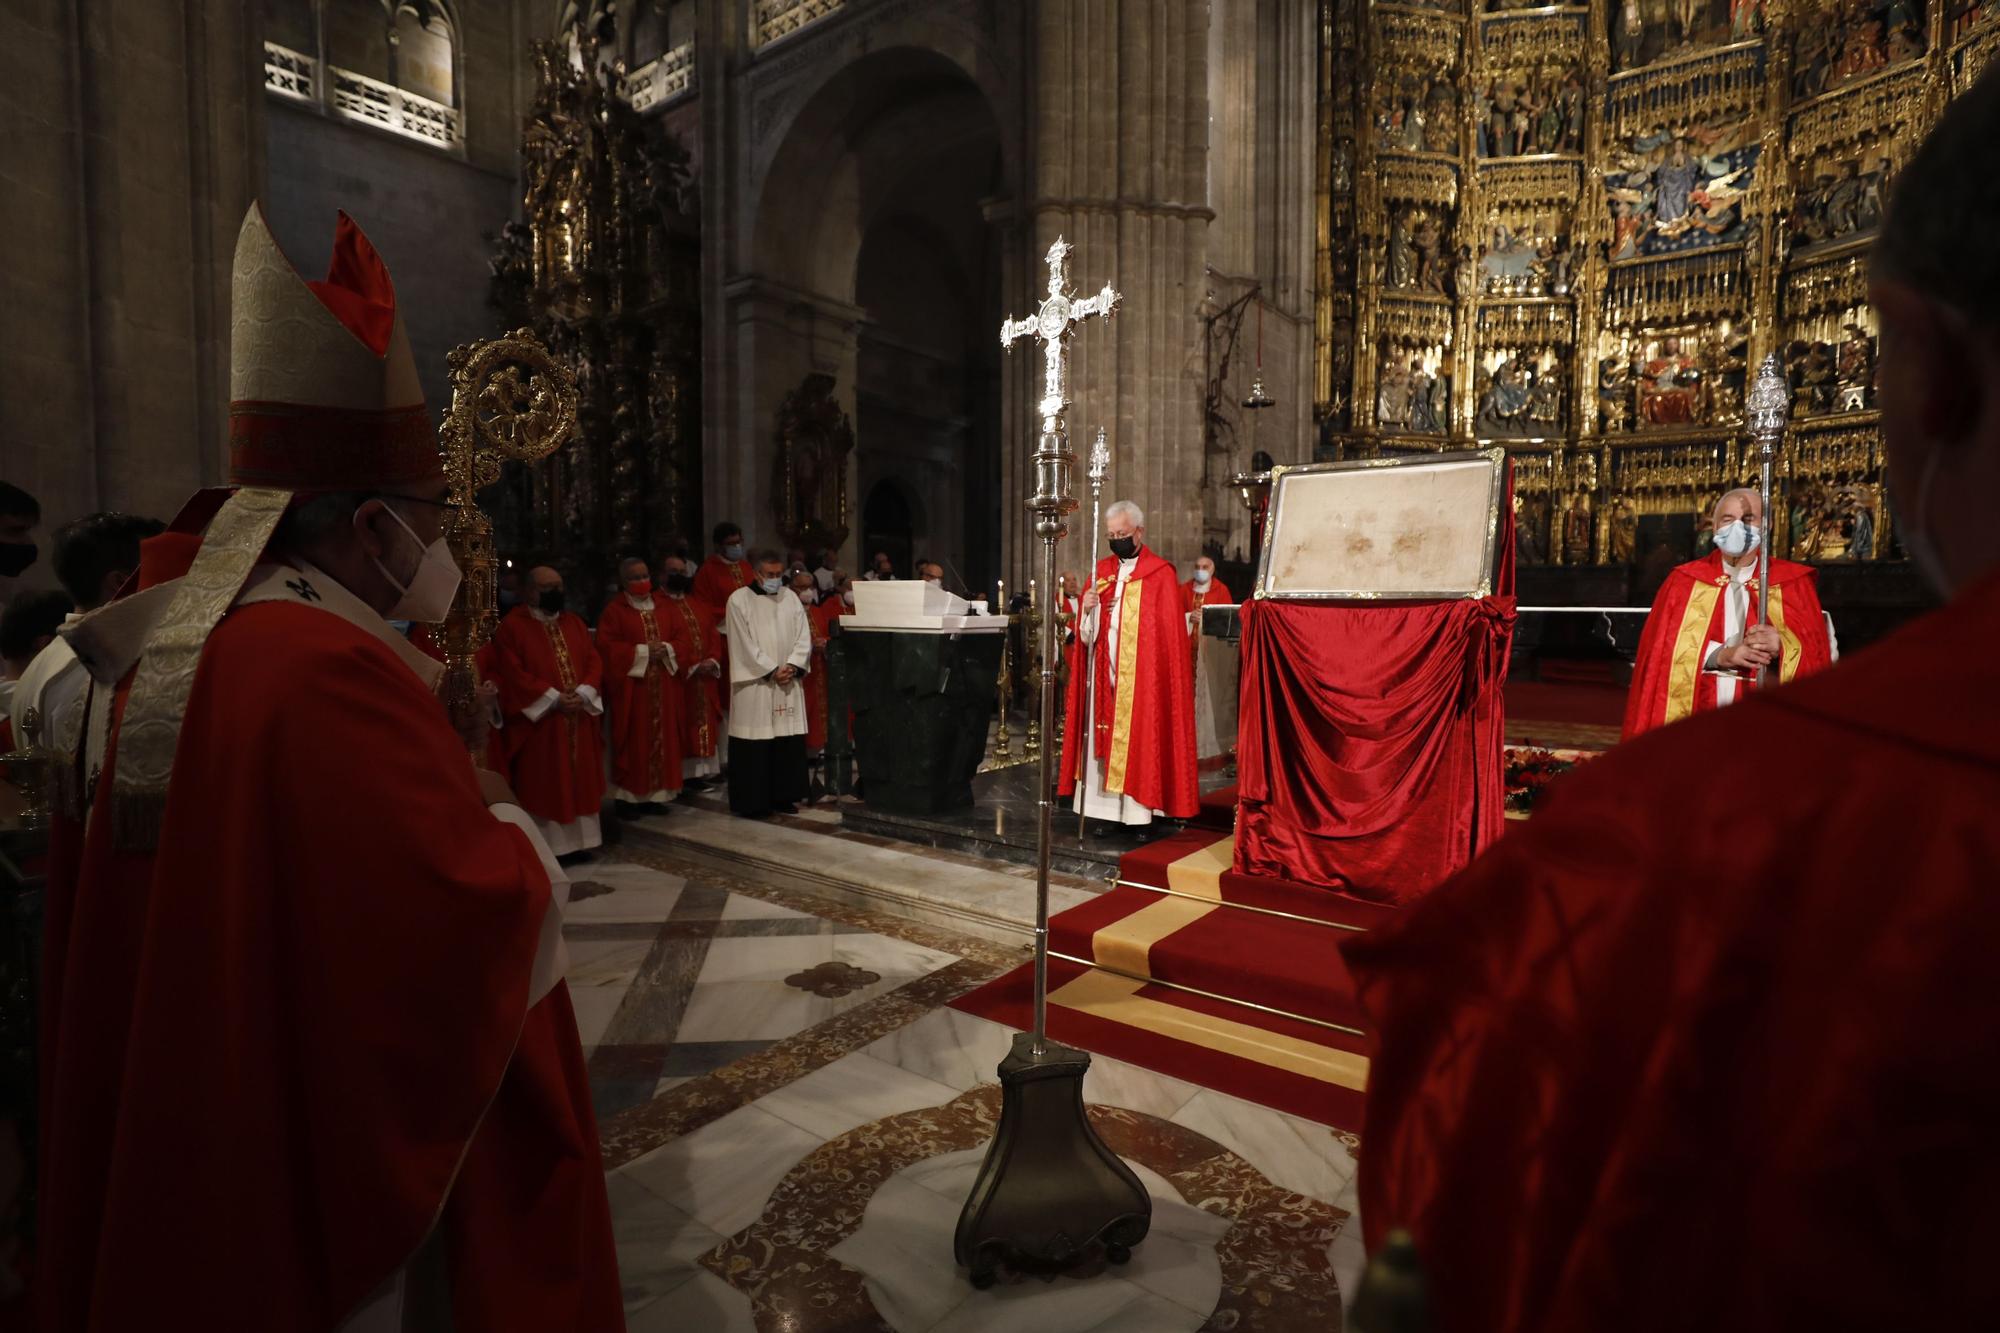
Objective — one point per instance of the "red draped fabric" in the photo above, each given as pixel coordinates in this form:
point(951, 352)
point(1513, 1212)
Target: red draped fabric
point(1369, 739)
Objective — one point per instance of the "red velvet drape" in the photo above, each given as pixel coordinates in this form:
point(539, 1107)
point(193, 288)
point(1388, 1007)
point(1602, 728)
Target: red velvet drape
point(1369, 739)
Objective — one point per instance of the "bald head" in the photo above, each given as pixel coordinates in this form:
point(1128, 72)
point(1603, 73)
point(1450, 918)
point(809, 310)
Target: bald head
point(1743, 502)
point(545, 588)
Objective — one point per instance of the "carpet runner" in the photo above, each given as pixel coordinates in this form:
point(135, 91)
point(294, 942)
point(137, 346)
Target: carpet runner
point(1190, 969)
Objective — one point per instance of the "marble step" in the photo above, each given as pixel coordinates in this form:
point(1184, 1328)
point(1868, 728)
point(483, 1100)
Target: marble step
point(994, 899)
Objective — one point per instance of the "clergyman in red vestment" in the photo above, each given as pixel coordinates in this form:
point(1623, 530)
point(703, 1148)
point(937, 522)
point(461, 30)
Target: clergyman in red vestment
point(694, 633)
point(1709, 1042)
point(1702, 646)
point(551, 679)
point(1141, 758)
point(644, 692)
point(307, 1058)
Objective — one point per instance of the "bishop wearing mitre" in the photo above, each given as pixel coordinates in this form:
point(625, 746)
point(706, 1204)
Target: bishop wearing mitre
point(645, 690)
point(308, 1060)
point(1703, 647)
point(551, 694)
point(1138, 761)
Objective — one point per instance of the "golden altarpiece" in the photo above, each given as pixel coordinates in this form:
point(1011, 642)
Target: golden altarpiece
point(605, 268)
point(1571, 230)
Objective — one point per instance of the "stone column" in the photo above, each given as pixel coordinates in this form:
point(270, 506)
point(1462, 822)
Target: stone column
point(122, 208)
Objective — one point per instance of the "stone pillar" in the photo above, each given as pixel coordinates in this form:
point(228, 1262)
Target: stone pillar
point(122, 209)
point(719, 48)
point(1120, 167)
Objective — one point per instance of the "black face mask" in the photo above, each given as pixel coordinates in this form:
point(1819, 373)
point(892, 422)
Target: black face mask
point(550, 600)
point(1124, 547)
point(15, 557)
point(678, 584)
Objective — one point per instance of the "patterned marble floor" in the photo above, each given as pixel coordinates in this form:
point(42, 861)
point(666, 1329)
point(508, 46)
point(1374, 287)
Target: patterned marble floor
point(791, 1117)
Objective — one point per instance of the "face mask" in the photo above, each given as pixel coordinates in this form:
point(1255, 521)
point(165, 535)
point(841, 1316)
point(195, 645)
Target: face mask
point(678, 584)
point(935, 583)
point(1124, 547)
point(550, 600)
point(15, 557)
point(733, 551)
point(1202, 577)
point(1910, 524)
point(1737, 538)
point(810, 596)
point(770, 585)
point(426, 595)
point(639, 587)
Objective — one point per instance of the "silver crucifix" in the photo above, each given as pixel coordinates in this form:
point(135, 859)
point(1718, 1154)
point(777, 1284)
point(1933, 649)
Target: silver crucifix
point(1052, 501)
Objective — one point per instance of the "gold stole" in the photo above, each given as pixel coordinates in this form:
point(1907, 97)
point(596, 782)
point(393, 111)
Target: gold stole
point(1683, 680)
point(565, 672)
point(697, 698)
point(657, 762)
point(1129, 607)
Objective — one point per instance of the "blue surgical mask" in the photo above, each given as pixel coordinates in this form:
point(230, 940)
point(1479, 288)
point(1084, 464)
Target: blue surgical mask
point(771, 585)
point(733, 551)
point(1202, 576)
point(1737, 538)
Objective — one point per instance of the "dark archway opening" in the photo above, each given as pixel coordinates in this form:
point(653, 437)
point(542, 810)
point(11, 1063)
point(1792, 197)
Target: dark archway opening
point(887, 524)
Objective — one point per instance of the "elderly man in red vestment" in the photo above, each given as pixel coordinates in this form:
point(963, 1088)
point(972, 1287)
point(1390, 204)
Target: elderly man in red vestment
point(645, 694)
point(307, 1058)
point(694, 633)
point(1702, 646)
point(1139, 761)
point(1204, 589)
point(1709, 1042)
point(551, 681)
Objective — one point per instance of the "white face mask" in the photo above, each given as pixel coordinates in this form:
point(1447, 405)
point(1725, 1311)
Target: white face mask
point(935, 583)
point(1737, 538)
point(1202, 576)
point(429, 588)
point(809, 596)
point(770, 585)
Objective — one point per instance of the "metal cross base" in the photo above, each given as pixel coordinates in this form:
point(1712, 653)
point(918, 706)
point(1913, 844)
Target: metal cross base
point(1050, 1195)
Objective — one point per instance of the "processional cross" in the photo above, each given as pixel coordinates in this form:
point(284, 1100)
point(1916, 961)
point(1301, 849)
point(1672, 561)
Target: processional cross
point(1049, 1192)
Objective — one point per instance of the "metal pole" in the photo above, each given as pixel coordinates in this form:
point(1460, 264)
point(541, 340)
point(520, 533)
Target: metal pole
point(1768, 405)
point(1100, 463)
point(1045, 788)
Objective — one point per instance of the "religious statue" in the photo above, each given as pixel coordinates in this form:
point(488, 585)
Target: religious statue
point(1424, 414)
point(1503, 409)
point(1392, 397)
point(1861, 533)
point(1614, 395)
point(1670, 387)
point(1577, 520)
point(1441, 122)
point(1628, 34)
point(1674, 183)
point(1855, 372)
point(1570, 100)
point(1624, 531)
point(1813, 370)
point(1402, 272)
point(1526, 549)
point(1428, 238)
point(1545, 403)
point(809, 490)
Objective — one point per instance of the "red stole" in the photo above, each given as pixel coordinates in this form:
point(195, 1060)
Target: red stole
point(1668, 682)
point(1145, 729)
point(558, 758)
point(692, 633)
point(645, 710)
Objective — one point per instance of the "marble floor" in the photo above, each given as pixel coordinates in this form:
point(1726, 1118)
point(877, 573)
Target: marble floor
point(792, 1118)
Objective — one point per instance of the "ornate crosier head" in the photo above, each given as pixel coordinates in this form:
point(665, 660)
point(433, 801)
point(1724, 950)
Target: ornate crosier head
point(1100, 459)
point(1058, 261)
point(1768, 403)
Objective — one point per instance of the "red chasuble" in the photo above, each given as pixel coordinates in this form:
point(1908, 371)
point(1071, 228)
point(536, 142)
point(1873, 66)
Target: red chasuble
point(1218, 594)
point(718, 578)
point(1145, 729)
point(821, 616)
point(424, 639)
point(557, 758)
point(1688, 1038)
point(295, 1040)
point(692, 632)
point(646, 709)
point(1668, 683)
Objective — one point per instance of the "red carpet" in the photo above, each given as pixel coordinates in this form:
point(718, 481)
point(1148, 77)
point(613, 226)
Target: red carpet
point(1570, 714)
point(1229, 980)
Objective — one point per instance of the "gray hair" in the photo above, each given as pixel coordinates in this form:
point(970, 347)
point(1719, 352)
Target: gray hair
point(1747, 492)
point(625, 566)
point(764, 555)
point(1128, 509)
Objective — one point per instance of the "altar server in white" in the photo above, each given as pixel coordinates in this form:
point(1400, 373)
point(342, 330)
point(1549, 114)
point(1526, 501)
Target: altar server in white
point(770, 651)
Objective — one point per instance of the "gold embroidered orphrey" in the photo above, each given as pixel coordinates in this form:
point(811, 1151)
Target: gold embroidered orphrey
point(150, 730)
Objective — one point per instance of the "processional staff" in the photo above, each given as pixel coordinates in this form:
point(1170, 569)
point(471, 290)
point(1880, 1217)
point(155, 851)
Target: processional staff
point(1100, 463)
point(1769, 405)
point(510, 399)
point(1049, 1191)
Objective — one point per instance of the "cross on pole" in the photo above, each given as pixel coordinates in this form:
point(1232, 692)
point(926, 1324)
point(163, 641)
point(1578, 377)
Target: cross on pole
point(1053, 322)
point(1053, 499)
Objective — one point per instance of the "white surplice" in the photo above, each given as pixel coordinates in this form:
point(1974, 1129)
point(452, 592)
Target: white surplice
point(767, 631)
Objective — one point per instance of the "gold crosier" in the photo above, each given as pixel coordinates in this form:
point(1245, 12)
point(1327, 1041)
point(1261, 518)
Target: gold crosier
point(509, 400)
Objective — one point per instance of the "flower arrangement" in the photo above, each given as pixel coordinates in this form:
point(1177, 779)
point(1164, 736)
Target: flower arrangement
point(1530, 769)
